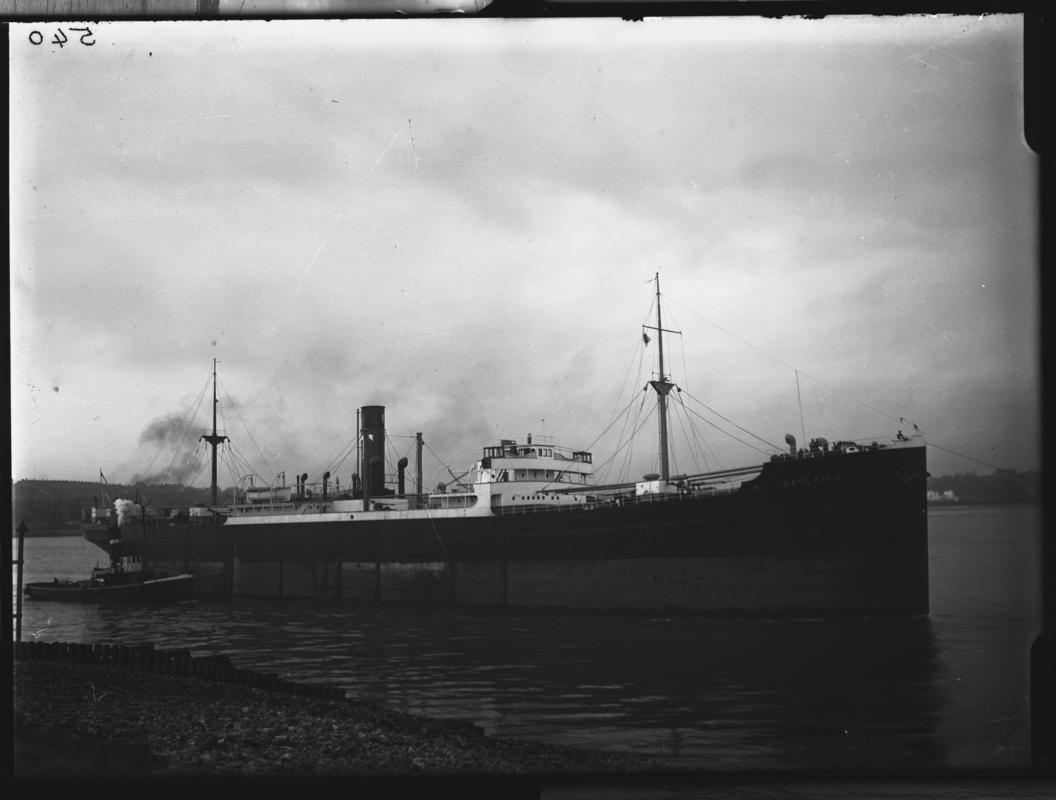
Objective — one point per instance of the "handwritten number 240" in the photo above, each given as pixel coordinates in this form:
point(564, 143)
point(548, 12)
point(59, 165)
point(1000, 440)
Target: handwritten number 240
point(60, 38)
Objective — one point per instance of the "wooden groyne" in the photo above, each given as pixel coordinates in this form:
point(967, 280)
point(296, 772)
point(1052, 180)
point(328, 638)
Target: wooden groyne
point(169, 661)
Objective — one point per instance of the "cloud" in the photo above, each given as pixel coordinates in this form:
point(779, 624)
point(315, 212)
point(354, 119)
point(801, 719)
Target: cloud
point(347, 214)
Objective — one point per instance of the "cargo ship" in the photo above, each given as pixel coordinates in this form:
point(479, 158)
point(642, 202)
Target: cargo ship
point(818, 529)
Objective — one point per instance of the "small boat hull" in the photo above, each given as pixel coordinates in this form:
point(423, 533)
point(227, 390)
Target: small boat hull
point(170, 587)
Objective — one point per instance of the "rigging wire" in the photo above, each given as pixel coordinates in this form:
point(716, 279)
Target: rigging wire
point(790, 366)
point(443, 464)
point(394, 456)
point(191, 458)
point(703, 440)
point(727, 433)
point(645, 417)
point(614, 421)
point(690, 433)
point(734, 424)
point(245, 427)
point(672, 454)
point(227, 457)
point(239, 464)
point(697, 443)
point(335, 465)
point(630, 423)
point(194, 477)
point(970, 458)
point(630, 374)
point(245, 466)
point(624, 445)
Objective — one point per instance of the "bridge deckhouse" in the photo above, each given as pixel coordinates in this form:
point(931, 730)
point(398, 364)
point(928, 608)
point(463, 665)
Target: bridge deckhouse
point(544, 464)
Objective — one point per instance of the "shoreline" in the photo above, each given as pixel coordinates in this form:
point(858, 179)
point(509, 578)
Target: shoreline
point(105, 721)
point(75, 720)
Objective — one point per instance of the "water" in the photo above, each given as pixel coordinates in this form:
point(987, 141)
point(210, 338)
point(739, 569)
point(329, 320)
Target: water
point(947, 691)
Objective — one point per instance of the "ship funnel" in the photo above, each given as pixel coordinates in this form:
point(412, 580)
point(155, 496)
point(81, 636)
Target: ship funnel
point(326, 477)
point(401, 465)
point(369, 488)
point(372, 465)
point(790, 440)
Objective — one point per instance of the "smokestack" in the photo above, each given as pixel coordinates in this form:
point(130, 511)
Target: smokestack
point(372, 467)
point(304, 484)
point(369, 489)
point(326, 477)
point(418, 465)
point(401, 465)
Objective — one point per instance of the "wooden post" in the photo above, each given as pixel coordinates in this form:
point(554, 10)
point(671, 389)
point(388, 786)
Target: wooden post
point(22, 530)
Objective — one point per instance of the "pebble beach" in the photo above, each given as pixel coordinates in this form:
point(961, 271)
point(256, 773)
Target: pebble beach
point(100, 722)
point(103, 720)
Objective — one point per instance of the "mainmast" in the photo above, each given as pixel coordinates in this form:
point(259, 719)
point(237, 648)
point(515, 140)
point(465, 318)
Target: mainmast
point(662, 387)
point(214, 438)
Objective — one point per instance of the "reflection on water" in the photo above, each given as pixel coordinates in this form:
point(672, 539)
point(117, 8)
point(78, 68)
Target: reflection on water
point(944, 690)
point(725, 693)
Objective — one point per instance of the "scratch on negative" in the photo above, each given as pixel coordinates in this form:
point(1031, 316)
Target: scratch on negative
point(337, 219)
point(318, 250)
point(383, 152)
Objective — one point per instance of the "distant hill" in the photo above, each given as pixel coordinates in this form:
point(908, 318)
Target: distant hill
point(52, 507)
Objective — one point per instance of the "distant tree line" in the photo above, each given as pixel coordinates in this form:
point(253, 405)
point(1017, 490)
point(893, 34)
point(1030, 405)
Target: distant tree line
point(55, 506)
point(1002, 486)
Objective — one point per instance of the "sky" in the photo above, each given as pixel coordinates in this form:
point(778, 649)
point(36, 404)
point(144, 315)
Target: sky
point(465, 221)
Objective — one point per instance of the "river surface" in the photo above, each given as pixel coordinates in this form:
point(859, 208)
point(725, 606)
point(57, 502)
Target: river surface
point(946, 691)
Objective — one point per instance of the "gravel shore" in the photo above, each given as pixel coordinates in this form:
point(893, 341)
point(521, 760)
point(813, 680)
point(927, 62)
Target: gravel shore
point(105, 722)
point(91, 720)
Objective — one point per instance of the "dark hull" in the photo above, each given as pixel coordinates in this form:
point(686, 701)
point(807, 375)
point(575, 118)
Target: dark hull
point(177, 586)
point(840, 533)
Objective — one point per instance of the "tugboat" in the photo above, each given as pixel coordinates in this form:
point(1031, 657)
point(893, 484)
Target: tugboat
point(125, 579)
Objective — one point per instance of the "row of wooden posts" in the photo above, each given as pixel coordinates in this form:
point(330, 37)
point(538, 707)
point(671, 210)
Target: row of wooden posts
point(170, 661)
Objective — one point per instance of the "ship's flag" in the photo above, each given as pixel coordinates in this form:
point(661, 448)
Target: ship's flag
point(645, 337)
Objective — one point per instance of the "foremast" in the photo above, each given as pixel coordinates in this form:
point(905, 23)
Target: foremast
point(662, 386)
point(214, 439)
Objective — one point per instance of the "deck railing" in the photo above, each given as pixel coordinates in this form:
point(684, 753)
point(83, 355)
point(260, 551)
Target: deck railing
point(614, 500)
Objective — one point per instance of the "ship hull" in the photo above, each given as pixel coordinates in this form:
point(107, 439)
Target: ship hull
point(842, 533)
point(174, 587)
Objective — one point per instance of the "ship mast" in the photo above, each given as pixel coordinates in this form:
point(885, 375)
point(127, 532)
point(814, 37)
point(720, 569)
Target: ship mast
point(661, 386)
point(213, 438)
